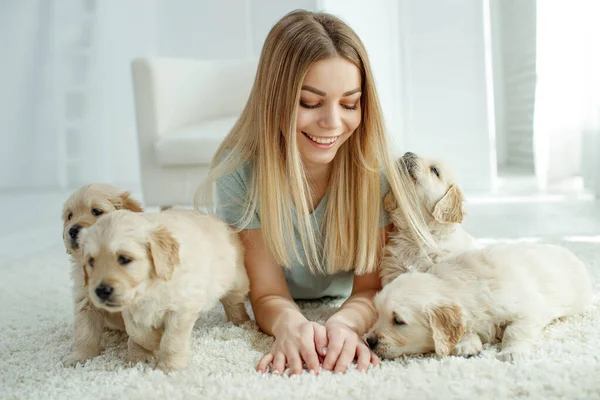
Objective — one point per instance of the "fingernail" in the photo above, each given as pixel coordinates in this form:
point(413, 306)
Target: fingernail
point(275, 372)
point(324, 351)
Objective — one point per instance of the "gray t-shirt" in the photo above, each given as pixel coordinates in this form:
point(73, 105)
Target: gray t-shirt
point(302, 283)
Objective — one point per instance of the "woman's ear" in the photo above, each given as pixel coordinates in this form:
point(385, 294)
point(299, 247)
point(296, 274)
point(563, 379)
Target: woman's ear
point(447, 327)
point(449, 209)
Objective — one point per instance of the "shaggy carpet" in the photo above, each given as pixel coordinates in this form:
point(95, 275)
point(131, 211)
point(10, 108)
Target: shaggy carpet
point(36, 326)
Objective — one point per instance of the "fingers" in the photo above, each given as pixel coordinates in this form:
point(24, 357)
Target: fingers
point(278, 364)
point(264, 363)
point(294, 362)
point(334, 349)
point(310, 356)
point(320, 339)
point(346, 356)
point(375, 360)
point(364, 358)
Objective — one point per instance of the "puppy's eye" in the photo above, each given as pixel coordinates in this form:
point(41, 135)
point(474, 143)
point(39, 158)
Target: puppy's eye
point(124, 260)
point(398, 321)
point(435, 171)
point(69, 216)
point(97, 212)
point(91, 262)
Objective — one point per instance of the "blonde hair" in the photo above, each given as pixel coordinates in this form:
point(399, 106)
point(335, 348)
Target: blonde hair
point(265, 135)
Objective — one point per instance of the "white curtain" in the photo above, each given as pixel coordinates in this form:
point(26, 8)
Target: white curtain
point(566, 117)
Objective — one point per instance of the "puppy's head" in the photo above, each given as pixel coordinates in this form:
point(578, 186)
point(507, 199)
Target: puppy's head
point(436, 187)
point(416, 315)
point(86, 205)
point(124, 253)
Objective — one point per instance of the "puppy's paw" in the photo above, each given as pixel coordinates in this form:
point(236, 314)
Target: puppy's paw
point(251, 326)
point(73, 358)
point(468, 348)
point(133, 359)
point(167, 366)
point(510, 356)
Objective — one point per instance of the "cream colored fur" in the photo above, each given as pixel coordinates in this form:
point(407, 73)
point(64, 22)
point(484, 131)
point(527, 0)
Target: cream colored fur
point(442, 210)
point(162, 270)
point(80, 210)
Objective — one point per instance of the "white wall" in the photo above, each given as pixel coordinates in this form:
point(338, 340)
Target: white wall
point(445, 87)
point(427, 58)
point(28, 144)
point(376, 23)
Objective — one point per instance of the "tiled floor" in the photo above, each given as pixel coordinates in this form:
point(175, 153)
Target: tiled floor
point(31, 221)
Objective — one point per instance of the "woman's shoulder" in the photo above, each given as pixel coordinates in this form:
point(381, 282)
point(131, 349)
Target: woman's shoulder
point(240, 174)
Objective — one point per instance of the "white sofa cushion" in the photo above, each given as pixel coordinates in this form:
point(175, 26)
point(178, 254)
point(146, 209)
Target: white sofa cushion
point(193, 144)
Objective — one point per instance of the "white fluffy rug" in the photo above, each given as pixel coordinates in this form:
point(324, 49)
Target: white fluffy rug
point(36, 324)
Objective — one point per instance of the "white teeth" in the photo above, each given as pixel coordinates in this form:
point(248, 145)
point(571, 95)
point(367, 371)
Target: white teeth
point(322, 140)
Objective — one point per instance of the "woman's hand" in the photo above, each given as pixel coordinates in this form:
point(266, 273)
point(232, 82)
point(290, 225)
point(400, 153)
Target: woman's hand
point(295, 344)
point(345, 345)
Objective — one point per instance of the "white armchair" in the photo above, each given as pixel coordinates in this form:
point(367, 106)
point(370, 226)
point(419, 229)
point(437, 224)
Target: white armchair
point(184, 109)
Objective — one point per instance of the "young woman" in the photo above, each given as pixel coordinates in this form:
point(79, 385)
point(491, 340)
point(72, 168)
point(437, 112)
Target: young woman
point(302, 176)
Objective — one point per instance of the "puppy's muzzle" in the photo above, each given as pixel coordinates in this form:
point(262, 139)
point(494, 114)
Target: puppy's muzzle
point(104, 292)
point(73, 234)
point(410, 161)
point(372, 341)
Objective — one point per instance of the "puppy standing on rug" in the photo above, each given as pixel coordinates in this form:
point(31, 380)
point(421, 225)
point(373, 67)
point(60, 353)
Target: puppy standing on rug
point(82, 210)
point(441, 202)
point(160, 270)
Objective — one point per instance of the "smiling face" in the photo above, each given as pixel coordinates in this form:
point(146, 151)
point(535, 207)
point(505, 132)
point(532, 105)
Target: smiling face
point(329, 110)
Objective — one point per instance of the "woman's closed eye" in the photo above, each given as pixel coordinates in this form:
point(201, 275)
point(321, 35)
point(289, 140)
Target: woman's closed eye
point(317, 105)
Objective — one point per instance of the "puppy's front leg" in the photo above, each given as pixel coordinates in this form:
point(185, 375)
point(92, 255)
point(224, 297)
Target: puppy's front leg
point(518, 339)
point(469, 345)
point(88, 326)
point(142, 343)
point(174, 351)
point(137, 353)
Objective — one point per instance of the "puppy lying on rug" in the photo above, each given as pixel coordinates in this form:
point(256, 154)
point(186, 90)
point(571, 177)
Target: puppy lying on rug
point(468, 297)
point(160, 270)
point(441, 200)
point(82, 210)
point(504, 292)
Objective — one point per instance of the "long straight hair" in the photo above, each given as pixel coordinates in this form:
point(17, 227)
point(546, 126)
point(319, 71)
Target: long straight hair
point(265, 136)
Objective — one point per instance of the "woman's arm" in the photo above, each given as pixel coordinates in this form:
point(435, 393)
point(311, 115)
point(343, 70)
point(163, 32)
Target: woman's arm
point(358, 311)
point(276, 313)
point(354, 318)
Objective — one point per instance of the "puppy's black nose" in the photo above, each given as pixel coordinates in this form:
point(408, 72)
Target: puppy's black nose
point(104, 291)
point(372, 341)
point(408, 155)
point(74, 231)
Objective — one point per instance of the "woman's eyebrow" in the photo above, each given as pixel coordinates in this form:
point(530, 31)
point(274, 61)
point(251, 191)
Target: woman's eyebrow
point(322, 93)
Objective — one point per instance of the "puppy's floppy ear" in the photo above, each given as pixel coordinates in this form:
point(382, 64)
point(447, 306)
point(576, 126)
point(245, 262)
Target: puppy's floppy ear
point(127, 203)
point(449, 209)
point(389, 202)
point(447, 327)
point(164, 251)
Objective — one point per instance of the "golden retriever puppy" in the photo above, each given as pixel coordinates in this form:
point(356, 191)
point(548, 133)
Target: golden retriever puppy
point(81, 210)
point(160, 270)
point(506, 292)
point(441, 203)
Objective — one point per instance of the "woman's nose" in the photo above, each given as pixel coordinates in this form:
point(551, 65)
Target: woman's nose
point(330, 118)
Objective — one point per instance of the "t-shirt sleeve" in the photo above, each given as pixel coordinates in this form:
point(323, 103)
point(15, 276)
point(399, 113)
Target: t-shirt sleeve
point(384, 216)
point(232, 199)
